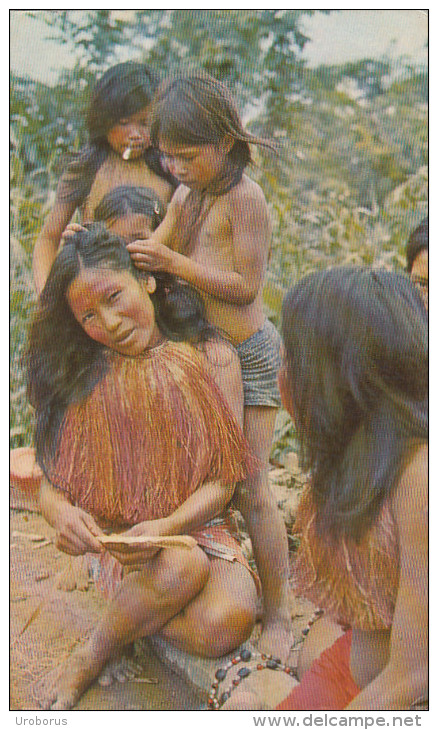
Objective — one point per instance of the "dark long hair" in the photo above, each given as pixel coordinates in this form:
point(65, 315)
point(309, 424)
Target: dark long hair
point(123, 90)
point(196, 110)
point(126, 200)
point(357, 368)
point(418, 242)
point(63, 362)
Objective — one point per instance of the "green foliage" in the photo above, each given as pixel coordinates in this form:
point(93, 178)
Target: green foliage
point(349, 181)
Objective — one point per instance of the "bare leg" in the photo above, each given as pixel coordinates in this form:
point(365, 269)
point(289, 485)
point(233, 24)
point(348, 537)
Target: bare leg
point(322, 634)
point(221, 617)
point(75, 575)
point(145, 602)
point(260, 691)
point(121, 668)
point(266, 690)
point(267, 531)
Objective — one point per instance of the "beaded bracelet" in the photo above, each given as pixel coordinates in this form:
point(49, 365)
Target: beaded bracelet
point(267, 662)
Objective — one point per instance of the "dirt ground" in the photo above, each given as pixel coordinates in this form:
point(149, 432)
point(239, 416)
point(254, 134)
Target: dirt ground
point(46, 622)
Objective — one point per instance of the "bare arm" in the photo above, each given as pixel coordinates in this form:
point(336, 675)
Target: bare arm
point(47, 243)
point(167, 232)
point(211, 499)
point(250, 231)
point(75, 529)
point(404, 679)
point(223, 365)
point(207, 502)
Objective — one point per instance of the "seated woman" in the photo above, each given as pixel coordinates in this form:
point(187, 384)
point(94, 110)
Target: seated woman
point(134, 435)
point(355, 380)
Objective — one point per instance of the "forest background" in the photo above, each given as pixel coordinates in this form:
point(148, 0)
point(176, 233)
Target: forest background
point(347, 186)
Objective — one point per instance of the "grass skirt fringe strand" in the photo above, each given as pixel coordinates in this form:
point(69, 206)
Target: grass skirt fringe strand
point(153, 430)
point(356, 584)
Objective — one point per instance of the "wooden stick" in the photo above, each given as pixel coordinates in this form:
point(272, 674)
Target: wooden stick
point(178, 541)
point(33, 537)
point(144, 680)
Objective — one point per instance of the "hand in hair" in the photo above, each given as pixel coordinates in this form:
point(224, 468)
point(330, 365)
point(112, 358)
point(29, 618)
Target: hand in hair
point(71, 230)
point(152, 256)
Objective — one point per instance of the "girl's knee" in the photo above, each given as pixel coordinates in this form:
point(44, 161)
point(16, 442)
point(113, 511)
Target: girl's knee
point(226, 627)
point(182, 571)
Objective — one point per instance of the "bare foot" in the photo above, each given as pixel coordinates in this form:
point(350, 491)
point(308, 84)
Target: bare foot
point(63, 686)
point(121, 669)
point(277, 639)
point(75, 576)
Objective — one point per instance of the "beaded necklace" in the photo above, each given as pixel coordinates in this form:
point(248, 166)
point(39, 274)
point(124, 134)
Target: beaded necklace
point(264, 661)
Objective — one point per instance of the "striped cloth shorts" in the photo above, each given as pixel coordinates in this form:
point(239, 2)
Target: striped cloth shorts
point(259, 357)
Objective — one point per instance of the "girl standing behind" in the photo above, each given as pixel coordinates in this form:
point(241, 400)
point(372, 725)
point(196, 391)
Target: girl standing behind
point(129, 211)
point(216, 236)
point(119, 152)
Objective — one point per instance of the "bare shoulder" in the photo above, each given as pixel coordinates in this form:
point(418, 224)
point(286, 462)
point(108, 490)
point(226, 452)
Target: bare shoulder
point(410, 500)
point(247, 191)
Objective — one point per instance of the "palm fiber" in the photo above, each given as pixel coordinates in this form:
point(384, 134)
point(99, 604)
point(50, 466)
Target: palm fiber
point(153, 430)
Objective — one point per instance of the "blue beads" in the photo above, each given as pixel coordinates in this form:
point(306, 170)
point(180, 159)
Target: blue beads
point(268, 662)
point(244, 672)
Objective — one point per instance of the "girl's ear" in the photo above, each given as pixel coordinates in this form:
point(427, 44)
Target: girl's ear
point(151, 285)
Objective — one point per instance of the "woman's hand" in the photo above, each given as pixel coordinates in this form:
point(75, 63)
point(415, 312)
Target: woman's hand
point(152, 256)
point(76, 531)
point(135, 556)
point(71, 230)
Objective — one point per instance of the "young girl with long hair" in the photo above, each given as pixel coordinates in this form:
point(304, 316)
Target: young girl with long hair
point(128, 211)
point(216, 236)
point(355, 380)
point(118, 152)
point(134, 436)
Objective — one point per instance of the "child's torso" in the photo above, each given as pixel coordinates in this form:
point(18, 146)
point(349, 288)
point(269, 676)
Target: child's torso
point(116, 172)
point(213, 246)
